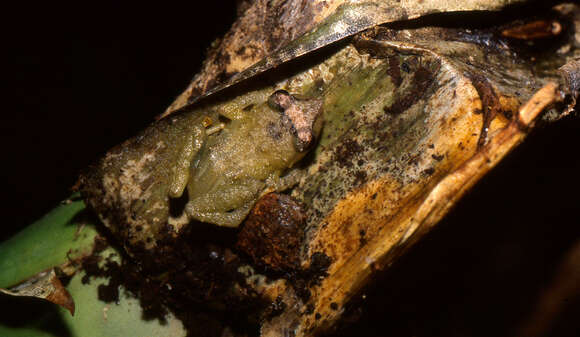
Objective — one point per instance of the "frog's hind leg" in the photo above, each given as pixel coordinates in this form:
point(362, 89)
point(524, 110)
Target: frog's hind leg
point(227, 219)
point(226, 206)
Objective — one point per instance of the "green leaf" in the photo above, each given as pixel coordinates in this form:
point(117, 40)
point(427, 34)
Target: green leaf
point(95, 318)
point(68, 232)
point(46, 243)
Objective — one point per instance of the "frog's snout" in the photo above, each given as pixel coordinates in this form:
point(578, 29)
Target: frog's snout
point(304, 116)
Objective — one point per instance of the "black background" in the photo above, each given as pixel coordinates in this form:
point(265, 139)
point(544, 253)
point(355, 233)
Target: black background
point(80, 80)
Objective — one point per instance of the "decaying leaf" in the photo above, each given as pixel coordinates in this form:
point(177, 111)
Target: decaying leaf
point(45, 285)
point(413, 118)
point(268, 34)
point(378, 186)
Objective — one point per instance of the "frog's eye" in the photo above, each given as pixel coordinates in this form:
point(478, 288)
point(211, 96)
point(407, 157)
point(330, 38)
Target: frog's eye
point(298, 116)
point(280, 100)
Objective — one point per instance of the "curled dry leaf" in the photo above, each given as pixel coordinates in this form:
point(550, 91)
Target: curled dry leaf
point(45, 285)
point(413, 118)
point(268, 34)
point(380, 183)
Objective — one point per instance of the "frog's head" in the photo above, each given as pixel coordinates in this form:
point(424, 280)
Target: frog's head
point(302, 116)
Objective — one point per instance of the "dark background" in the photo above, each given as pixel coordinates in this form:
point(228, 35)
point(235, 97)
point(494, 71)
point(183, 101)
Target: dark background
point(80, 80)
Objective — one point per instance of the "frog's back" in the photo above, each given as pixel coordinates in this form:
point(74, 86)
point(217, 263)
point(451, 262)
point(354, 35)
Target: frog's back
point(253, 147)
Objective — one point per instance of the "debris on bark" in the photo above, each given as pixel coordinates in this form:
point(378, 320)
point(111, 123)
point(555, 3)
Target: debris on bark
point(273, 233)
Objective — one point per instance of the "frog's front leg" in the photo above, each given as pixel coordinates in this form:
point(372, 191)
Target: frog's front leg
point(193, 141)
point(191, 145)
point(227, 205)
point(287, 181)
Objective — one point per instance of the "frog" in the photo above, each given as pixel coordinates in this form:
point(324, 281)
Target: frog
point(207, 165)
